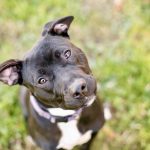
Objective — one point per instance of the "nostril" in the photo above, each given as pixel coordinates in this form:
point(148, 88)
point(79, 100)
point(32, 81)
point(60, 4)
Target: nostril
point(83, 87)
point(78, 89)
point(76, 95)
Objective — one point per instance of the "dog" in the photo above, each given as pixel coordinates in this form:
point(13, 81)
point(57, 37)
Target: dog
point(58, 90)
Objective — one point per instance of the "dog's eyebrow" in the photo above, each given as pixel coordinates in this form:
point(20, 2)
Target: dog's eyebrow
point(42, 71)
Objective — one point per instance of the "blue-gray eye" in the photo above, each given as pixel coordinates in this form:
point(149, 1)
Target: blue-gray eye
point(42, 81)
point(67, 53)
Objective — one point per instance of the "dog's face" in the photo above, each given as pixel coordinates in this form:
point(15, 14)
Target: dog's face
point(55, 71)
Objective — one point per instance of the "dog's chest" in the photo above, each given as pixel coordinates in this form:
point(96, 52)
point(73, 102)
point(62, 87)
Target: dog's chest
point(70, 134)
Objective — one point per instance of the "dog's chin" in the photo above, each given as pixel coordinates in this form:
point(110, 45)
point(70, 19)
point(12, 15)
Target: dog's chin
point(74, 105)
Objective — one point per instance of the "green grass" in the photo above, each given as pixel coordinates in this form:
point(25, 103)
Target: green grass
point(117, 45)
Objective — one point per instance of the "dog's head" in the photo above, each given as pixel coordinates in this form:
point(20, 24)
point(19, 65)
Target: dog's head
point(55, 71)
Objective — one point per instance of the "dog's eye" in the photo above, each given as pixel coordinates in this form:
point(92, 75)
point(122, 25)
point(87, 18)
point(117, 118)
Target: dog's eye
point(42, 81)
point(67, 53)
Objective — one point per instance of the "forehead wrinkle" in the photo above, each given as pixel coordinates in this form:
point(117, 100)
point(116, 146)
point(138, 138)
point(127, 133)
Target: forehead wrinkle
point(57, 41)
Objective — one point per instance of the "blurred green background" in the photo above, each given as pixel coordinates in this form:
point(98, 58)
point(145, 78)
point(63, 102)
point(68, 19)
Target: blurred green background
point(115, 35)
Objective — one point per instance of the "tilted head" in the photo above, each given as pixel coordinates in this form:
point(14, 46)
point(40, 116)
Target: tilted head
point(55, 71)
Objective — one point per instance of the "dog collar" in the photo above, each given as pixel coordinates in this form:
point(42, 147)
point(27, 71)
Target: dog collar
point(42, 111)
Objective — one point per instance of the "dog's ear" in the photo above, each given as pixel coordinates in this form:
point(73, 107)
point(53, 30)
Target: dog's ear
point(58, 27)
point(10, 72)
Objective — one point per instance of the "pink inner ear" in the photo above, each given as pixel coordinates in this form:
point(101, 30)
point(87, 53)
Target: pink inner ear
point(7, 72)
point(60, 28)
point(9, 75)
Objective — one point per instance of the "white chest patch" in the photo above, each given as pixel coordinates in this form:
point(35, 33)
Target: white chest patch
point(71, 136)
point(60, 112)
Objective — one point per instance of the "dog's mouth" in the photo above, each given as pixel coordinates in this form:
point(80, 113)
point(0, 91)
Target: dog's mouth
point(90, 100)
point(68, 102)
point(77, 103)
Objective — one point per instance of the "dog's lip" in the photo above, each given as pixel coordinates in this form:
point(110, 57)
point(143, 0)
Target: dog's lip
point(85, 102)
point(89, 100)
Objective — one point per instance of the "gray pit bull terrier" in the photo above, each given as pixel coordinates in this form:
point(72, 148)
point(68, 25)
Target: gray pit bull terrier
point(58, 96)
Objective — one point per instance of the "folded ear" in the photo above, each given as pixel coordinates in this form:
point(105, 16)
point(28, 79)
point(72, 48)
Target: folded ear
point(10, 72)
point(58, 27)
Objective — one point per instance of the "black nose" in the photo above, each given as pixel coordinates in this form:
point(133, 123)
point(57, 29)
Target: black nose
point(78, 88)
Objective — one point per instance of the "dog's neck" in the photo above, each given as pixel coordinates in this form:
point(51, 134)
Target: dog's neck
point(54, 114)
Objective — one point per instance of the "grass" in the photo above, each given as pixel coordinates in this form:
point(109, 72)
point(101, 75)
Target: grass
point(116, 40)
